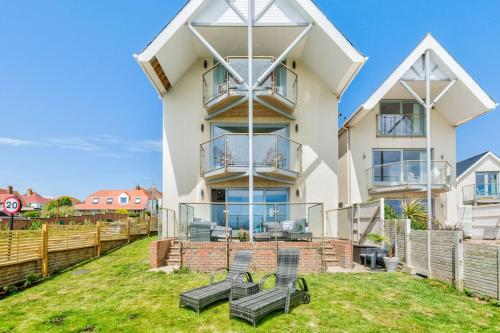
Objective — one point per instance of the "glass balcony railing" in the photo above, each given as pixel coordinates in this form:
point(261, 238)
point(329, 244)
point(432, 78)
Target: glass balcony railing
point(408, 173)
point(481, 192)
point(282, 221)
point(218, 82)
point(272, 153)
point(394, 125)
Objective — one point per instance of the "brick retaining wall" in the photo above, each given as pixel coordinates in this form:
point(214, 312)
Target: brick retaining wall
point(208, 256)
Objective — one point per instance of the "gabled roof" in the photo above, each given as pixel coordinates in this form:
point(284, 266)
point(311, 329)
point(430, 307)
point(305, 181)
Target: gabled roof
point(35, 198)
point(103, 195)
point(464, 166)
point(463, 102)
point(325, 50)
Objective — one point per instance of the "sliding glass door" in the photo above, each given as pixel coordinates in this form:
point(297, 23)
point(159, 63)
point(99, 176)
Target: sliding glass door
point(397, 166)
point(487, 183)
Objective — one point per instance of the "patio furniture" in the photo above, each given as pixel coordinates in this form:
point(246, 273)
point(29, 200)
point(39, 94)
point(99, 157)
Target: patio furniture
point(369, 256)
point(218, 233)
point(201, 297)
point(199, 231)
point(298, 231)
point(271, 231)
point(243, 289)
point(289, 291)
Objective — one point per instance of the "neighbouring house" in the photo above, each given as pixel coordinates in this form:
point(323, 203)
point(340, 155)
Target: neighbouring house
point(383, 145)
point(5, 193)
point(301, 66)
point(35, 200)
point(135, 200)
point(478, 179)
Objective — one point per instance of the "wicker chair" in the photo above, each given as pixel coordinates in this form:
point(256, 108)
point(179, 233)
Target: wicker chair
point(289, 291)
point(201, 297)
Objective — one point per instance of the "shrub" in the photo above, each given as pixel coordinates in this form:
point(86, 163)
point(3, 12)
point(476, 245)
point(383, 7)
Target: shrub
point(133, 214)
point(35, 225)
point(32, 213)
point(389, 213)
point(31, 279)
point(63, 211)
point(122, 211)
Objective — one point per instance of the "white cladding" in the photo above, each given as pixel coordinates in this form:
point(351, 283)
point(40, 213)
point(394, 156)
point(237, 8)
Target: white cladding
point(282, 12)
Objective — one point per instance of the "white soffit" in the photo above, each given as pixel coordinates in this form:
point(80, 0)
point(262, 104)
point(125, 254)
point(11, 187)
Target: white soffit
point(325, 50)
point(463, 102)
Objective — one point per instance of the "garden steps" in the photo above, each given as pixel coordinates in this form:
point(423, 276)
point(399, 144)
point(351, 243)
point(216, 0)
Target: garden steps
point(174, 255)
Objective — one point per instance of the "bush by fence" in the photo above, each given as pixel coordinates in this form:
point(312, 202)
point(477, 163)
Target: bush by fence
point(54, 247)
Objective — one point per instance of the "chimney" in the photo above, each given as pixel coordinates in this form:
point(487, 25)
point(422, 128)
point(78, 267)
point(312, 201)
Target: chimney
point(11, 189)
point(137, 187)
point(29, 192)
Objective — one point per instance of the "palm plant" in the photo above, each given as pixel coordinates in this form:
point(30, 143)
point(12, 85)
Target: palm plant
point(381, 239)
point(415, 211)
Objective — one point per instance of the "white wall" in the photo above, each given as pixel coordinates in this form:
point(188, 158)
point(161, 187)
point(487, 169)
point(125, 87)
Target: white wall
point(363, 139)
point(316, 116)
point(488, 163)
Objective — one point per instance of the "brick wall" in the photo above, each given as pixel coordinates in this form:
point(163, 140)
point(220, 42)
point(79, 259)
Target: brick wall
point(159, 251)
point(208, 256)
point(343, 249)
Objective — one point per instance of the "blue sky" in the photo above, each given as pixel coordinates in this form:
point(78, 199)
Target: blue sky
point(77, 114)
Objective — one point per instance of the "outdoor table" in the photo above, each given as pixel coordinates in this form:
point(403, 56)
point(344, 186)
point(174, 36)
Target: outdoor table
point(244, 289)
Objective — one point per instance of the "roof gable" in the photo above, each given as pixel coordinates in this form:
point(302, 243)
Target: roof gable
point(464, 101)
point(176, 50)
point(469, 164)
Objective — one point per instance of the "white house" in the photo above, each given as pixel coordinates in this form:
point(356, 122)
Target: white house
point(383, 146)
point(301, 66)
point(478, 179)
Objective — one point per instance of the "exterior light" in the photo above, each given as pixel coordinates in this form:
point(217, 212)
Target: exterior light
point(297, 193)
point(202, 127)
point(297, 128)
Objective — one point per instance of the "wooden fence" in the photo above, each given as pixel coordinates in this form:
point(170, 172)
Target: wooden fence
point(475, 267)
point(41, 252)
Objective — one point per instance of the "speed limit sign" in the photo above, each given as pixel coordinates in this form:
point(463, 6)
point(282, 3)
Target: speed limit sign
point(12, 205)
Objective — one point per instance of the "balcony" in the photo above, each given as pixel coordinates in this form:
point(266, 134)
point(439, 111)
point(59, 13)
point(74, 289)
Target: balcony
point(275, 157)
point(408, 176)
point(397, 125)
point(221, 92)
point(481, 194)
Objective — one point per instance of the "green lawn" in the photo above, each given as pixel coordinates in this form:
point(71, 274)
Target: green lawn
point(116, 294)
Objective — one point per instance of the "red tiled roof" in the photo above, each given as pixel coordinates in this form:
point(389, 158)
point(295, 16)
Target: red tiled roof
point(35, 198)
point(4, 195)
point(103, 195)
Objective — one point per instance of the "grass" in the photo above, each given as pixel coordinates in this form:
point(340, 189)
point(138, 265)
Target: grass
point(116, 294)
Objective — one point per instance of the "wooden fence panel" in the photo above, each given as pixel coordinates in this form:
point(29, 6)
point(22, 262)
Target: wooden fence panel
point(139, 228)
point(66, 237)
point(113, 231)
point(443, 255)
point(20, 246)
point(481, 269)
point(418, 243)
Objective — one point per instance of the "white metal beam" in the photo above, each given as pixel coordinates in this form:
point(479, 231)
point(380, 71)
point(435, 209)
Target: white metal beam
point(264, 10)
point(283, 56)
point(212, 115)
point(275, 109)
point(412, 92)
point(236, 10)
point(216, 55)
point(251, 89)
point(442, 93)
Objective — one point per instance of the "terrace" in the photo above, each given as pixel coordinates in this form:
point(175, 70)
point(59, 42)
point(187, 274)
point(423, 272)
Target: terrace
point(222, 92)
point(406, 176)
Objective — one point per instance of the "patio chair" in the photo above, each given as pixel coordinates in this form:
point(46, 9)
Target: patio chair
point(201, 297)
point(271, 231)
point(199, 231)
point(298, 231)
point(289, 291)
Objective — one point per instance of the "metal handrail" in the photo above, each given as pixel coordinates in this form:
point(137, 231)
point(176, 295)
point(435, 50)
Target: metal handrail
point(392, 131)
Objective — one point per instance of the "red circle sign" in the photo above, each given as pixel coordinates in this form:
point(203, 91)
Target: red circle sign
point(12, 205)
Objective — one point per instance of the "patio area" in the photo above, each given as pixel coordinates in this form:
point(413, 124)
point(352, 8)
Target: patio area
point(116, 293)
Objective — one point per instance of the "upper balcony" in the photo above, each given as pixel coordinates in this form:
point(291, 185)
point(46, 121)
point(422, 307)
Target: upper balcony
point(481, 194)
point(221, 92)
point(400, 125)
point(408, 176)
point(275, 157)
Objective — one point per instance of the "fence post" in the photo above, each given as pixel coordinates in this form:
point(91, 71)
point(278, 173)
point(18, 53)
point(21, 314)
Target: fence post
point(409, 264)
point(45, 249)
point(128, 230)
point(98, 238)
point(498, 272)
point(459, 260)
point(149, 226)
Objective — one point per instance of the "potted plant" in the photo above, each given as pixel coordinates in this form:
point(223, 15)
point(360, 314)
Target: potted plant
point(390, 261)
point(243, 236)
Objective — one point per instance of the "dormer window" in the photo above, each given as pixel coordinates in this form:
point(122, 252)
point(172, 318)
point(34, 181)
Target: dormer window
point(95, 201)
point(137, 201)
point(123, 199)
point(109, 201)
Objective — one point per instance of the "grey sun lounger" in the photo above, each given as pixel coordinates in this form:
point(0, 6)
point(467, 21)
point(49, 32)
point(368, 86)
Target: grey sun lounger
point(289, 291)
point(201, 297)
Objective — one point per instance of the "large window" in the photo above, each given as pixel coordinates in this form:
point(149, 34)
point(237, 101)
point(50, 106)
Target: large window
point(396, 166)
point(487, 183)
point(401, 118)
point(264, 209)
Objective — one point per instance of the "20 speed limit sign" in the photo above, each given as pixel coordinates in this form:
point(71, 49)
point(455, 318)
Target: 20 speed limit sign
point(12, 205)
